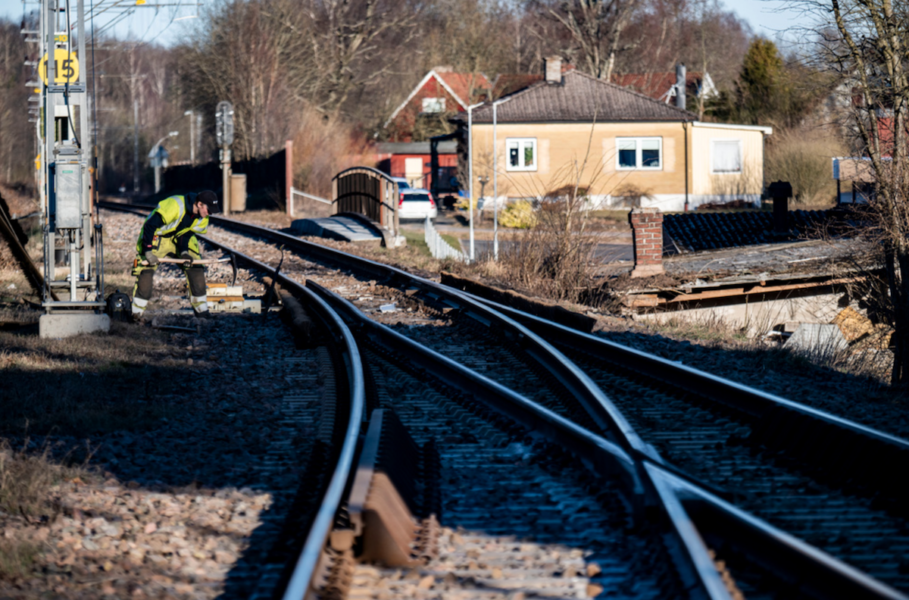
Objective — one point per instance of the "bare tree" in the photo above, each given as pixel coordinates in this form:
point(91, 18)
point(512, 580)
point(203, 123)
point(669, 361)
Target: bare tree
point(596, 28)
point(866, 44)
point(18, 135)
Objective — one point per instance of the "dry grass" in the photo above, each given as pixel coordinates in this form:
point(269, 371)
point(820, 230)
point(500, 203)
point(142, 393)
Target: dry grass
point(802, 157)
point(26, 478)
point(17, 558)
point(88, 384)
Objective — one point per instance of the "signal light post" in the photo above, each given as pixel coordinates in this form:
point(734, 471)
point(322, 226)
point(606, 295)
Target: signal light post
point(224, 131)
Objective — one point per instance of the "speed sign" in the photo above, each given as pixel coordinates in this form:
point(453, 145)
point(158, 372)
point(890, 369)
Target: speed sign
point(66, 67)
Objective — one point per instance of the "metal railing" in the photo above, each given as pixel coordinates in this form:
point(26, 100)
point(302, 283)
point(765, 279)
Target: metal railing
point(294, 190)
point(438, 247)
point(369, 192)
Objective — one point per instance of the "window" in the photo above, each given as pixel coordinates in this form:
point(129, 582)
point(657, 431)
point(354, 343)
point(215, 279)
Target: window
point(726, 156)
point(433, 105)
point(639, 153)
point(522, 154)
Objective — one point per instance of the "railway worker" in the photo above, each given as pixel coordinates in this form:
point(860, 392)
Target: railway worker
point(170, 231)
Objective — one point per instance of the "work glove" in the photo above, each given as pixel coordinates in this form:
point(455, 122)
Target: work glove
point(151, 259)
point(185, 255)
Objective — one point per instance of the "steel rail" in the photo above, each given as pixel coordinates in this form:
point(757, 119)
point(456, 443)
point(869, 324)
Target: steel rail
point(879, 449)
point(696, 570)
point(693, 513)
point(597, 405)
point(574, 380)
point(300, 580)
point(618, 430)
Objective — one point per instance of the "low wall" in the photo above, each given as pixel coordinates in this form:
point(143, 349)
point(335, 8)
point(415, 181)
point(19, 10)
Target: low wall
point(760, 314)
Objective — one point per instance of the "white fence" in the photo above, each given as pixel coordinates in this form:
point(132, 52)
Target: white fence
point(295, 192)
point(438, 247)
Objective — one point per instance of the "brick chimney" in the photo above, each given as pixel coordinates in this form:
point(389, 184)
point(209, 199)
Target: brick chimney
point(554, 70)
point(647, 227)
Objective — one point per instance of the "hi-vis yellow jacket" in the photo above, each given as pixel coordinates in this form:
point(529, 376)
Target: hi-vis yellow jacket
point(172, 218)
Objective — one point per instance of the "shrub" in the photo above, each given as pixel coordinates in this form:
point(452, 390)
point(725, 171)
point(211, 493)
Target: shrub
point(803, 158)
point(519, 215)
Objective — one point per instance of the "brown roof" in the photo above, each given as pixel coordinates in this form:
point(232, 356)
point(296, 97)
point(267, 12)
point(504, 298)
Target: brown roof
point(580, 98)
point(510, 83)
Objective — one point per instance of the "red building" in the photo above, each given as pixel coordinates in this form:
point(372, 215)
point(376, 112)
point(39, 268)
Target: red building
point(411, 160)
point(439, 95)
point(424, 115)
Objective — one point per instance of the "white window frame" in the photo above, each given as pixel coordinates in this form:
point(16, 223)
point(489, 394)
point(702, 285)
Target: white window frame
point(741, 156)
point(521, 145)
point(637, 153)
point(433, 105)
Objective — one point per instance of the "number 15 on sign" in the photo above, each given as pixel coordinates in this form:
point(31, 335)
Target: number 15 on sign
point(66, 67)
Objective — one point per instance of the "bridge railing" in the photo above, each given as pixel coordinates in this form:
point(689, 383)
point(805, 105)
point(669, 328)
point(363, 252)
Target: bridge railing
point(368, 192)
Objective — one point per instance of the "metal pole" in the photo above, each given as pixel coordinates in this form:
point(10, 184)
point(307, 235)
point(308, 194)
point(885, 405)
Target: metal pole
point(135, 146)
point(289, 177)
point(495, 187)
point(225, 178)
point(470, 205)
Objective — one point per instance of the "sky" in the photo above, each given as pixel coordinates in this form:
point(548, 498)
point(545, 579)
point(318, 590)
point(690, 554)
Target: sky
point(767, 18)
point(161, 25)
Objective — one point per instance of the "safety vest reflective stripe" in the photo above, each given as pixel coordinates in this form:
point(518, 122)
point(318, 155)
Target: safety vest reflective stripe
point(200, 225)
point(166, 208)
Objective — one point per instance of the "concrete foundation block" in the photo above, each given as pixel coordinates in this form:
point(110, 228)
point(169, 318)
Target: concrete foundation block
point(647, 270)
point(62, 325)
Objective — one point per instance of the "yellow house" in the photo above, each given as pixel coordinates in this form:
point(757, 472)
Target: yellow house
point(619, 147)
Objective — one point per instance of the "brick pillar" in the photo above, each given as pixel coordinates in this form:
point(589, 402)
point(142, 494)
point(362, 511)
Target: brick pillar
point(647, 227)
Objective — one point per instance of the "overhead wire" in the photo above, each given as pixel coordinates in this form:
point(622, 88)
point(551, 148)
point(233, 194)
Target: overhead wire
point(69, 53)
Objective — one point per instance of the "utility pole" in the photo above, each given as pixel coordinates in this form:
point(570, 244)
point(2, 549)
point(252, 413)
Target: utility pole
point(158, 158)
point(192, 137)
point(135, 146)
point(74, 302)
point(224, 131)
point(471, 198)
point(495, 186)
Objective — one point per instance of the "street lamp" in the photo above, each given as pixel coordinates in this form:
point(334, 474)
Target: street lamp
point(483, 179)
point(192, 138)
point(158, 160)
point(495, 184)
point(470, 172)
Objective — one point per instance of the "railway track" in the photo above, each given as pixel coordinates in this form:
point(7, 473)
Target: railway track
point(658, 475)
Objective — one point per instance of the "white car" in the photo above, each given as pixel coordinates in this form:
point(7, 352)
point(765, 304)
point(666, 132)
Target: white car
point(416, 203)
point(402, 183)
